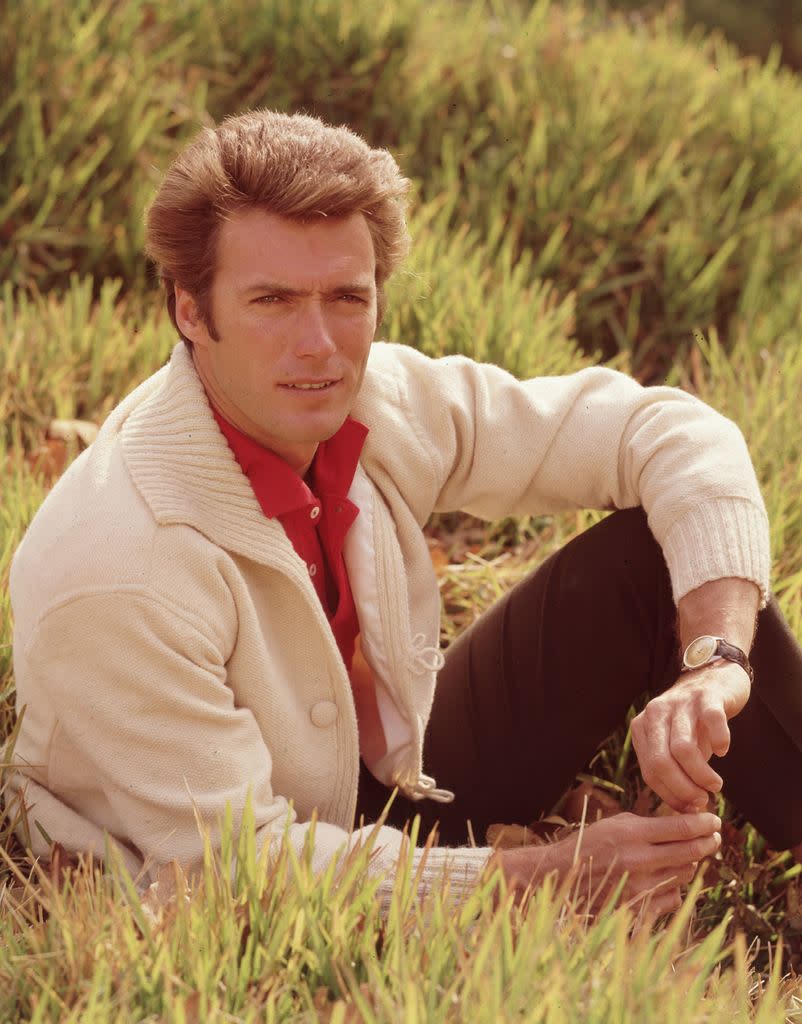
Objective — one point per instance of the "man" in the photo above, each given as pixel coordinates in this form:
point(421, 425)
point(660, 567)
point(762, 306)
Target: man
point(230, 591)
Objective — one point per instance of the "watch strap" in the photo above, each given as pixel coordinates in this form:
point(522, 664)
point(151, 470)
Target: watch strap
point(724, 649)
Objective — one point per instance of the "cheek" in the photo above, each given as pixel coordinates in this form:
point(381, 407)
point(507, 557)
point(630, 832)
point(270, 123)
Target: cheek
point(361, 364)
point(361, 336)
point(253, 345)
point(240, 366)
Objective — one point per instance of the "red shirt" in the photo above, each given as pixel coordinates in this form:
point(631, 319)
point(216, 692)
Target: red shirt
point(316, 517)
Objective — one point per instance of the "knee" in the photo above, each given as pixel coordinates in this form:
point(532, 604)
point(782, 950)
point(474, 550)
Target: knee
point(629, 528)
point(614, 579)
point(622, 545)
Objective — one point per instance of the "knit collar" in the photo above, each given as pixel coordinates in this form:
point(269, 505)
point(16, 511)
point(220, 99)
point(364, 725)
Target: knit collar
point(185, 471)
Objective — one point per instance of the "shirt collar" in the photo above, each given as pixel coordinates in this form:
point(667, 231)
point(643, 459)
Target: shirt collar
point(278, 488)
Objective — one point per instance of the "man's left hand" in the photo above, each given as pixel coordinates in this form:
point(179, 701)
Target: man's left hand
point(676, 733)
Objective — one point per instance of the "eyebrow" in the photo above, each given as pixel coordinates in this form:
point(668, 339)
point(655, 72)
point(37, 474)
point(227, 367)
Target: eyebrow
point(274, 288)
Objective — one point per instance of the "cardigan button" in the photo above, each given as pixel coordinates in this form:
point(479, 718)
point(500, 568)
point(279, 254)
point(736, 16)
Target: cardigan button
point(324, 714)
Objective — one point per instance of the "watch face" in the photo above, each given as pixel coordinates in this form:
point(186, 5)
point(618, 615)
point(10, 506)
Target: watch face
point(700, 651)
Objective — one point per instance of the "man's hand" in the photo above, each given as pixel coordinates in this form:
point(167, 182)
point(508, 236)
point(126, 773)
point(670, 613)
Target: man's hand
point(658, 856)
point(676, 733)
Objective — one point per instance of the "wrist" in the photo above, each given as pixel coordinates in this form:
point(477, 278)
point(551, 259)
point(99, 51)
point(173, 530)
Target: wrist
point(725, 607)
point(706, 651)
point(521, 866)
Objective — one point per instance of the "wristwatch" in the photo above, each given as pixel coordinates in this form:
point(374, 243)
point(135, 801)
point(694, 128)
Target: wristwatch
point(705, 649)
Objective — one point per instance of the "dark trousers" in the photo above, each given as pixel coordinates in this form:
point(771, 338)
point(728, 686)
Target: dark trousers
point(529, 692)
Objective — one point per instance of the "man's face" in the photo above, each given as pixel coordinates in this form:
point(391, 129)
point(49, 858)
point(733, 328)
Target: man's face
point(293, 304)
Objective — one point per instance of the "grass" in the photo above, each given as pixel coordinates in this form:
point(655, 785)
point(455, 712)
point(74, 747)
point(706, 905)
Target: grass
point(676, 258)
point(269, 941)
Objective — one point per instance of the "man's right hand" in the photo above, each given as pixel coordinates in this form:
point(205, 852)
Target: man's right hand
point(658, 855)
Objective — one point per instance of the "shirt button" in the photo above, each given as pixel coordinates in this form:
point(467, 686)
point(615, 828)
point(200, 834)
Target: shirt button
point(315, 512)
point(323, 714)
point(313, 569)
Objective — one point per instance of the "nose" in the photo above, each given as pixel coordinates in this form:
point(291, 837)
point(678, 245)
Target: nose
point(315, 338)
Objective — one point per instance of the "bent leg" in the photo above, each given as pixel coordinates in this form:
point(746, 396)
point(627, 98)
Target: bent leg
point(762, 771)
point(530, 690)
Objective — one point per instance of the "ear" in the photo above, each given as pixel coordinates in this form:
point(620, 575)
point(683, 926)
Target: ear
point(188, 318)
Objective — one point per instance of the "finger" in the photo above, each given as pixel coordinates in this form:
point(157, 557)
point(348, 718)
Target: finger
point(700, 805)
point(713, 721)
point(679, 855)
point(684, 748)
point(662, 774)
point(668, 878)
point(695, 808)
point(651, 905)
point(703, 739)
point(664, 878)
point(656, 778)
point(667, 795)
point(678, 827)
point(659, 767)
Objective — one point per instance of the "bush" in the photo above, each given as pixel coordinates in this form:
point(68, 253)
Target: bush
point(650, 176)
point(96, 100)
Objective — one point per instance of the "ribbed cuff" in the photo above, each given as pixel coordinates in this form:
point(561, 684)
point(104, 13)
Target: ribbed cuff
point(461, 867)
point(723, 537)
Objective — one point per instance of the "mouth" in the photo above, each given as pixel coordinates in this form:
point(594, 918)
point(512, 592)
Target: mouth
point(322, 385)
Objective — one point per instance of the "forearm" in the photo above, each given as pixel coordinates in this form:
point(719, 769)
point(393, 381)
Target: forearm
point(530, 865)
point(521, 867)
point(679, 730)
point(725, 607)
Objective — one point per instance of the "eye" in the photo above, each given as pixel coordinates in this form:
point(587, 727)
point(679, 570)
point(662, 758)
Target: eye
point(349, 297)
point(267, 300)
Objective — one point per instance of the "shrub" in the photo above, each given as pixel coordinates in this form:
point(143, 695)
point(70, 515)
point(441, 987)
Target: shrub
point(651, 176)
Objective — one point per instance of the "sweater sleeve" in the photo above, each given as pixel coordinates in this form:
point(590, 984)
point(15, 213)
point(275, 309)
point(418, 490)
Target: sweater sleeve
point(595, 439)
point(148, 733)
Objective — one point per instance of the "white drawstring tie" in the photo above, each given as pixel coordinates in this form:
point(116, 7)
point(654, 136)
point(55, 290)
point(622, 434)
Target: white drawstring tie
point(423, 788)
point(425, 659)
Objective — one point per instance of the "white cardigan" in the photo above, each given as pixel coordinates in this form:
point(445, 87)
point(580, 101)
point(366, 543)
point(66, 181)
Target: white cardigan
point(169, 647)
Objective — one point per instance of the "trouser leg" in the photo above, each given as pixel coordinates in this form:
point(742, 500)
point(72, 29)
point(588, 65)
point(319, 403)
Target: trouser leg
point(762, 771)
point(529, 691)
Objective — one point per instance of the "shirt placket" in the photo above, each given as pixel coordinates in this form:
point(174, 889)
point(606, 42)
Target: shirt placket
point(304, 525)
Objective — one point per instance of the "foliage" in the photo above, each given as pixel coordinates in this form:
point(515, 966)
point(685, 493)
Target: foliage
point(466, 293)
point(259, 936)
point(755, 27)
point(460, 293)
point(69, 357)
point(91, 107)
point(647, 174)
